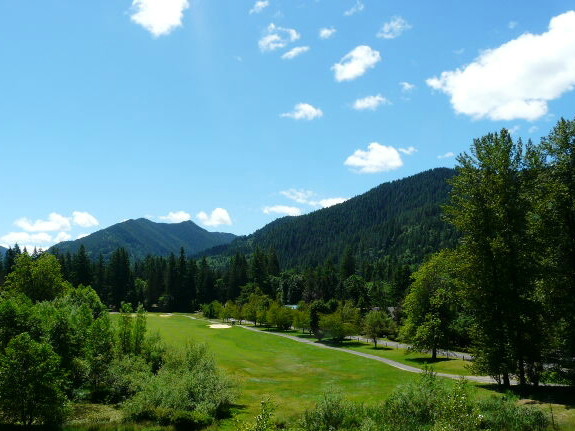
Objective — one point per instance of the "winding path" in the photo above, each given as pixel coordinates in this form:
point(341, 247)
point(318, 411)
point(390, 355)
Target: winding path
point(395, 364)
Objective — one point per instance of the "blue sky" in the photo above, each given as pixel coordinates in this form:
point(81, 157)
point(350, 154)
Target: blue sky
point(234, 112)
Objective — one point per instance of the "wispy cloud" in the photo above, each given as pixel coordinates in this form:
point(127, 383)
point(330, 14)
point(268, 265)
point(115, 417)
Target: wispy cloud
point(294, 52)
point(355, 63)
point(283, 209)
point(408, 151)
point(370, 103)
point(446, 155)
point(159, 17)
point(327, 33)
point(393, 28)
point(304, 111)
point(517, 79)
point(259, 6)
point(357, 7)
point(277, 37)
point(303, 196)
point(406, 87)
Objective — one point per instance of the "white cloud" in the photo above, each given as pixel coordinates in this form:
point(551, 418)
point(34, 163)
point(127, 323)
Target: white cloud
point(82, 235)
point(283, 209)
point(406, 87)
point(259, 6)
point(408, 151)
point(176, 217)
point(459, 51)
point(62, 236)
point(514, 129)
point(370, 102)
point(159, 17)
point(357, 7)
point(329, 202)
point(446, 155)
point(512, 24)
point(55, 222)
point(277, 37)
point(377, 158)
point(355, 63)
point(293, 53)
point(517, 79)
point(304, 111)
point(26, 237)
point(533, 129)
point(393, 28)
point(84, 219)
point(218, 217)
point(300, 196)
point(326, 33)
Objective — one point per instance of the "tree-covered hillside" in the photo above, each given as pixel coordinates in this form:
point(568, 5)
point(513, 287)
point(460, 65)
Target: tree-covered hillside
point(143, 237)
point(400, 218)
point(2, 250)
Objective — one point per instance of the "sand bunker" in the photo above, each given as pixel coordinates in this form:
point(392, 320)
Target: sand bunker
point(166, 315)
point(219, 326)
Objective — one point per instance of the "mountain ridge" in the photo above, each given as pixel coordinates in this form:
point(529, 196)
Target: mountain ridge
point(402, 217)
point(142, 237)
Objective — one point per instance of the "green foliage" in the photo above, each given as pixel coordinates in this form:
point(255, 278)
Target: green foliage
point(212, 310)
point(279, 316)
point(39, 279)
point(377, 324)
point(188, 389)
point(263, 421)
point(433, 303)
point(31, 383)
point(342, 323)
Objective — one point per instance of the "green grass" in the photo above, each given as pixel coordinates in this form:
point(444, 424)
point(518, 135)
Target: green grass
point(294, 374)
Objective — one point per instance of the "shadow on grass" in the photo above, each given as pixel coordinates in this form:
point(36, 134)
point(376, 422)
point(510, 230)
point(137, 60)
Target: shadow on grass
point(545, 394)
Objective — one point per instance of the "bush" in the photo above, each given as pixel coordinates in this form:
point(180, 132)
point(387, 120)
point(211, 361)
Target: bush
point(188, 389)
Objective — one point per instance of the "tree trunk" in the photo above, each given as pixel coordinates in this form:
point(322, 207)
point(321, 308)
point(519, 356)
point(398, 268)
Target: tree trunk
point(434, 354)
point(506, 382)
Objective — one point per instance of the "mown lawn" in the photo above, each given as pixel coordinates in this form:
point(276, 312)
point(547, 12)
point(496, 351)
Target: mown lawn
point(294, 374)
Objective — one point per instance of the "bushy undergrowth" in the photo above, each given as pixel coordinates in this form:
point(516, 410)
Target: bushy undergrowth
point(429, 404)
point(188, 389)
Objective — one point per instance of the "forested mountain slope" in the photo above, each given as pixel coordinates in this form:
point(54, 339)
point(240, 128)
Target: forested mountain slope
point(400, 218)
point(2, 250)
point(142, 237)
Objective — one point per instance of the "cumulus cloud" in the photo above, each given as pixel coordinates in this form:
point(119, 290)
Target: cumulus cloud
point(357, 7)
point(294, 52)
point(283, 209)
point(26, 237)
point(176, 217)
point(393, 28)
point(259, 6)
point(406, 87)
point(377, 158)
point(355, 63)
point(84, 219)
point(370, 102)
point(159, 17)
point(517, 79)
point(326, 33)
point(82, 235)
point(408, 151)
point(277, 37)
point(218, 217)
point(304, 111)
point(55, 222)
point(446, 155)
